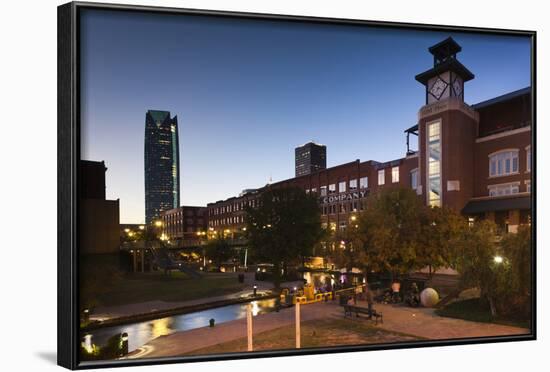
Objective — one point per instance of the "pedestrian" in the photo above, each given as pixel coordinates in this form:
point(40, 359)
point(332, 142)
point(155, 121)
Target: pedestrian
point(370, 299)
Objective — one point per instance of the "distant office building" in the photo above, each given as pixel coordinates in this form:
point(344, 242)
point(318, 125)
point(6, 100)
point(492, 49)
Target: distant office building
point(162, 166)
point(310, 158)
point(99, 218)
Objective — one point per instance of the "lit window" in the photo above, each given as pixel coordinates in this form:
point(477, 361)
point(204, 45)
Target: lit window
point(332, 188)
point(353, 184)
point(503, 163)
point(313, 190)
point(381, 177)
point(364, 182)
point(434, 160)
point(414, 179)
point(395, 174)
point(504, 189)
point(323, 191)
point(342, 186)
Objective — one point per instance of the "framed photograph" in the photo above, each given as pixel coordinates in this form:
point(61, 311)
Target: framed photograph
point(236, 185)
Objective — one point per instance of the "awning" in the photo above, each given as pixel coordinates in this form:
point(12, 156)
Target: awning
point(496, 205)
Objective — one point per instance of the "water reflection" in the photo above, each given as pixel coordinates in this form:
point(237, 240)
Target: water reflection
point(143, 332)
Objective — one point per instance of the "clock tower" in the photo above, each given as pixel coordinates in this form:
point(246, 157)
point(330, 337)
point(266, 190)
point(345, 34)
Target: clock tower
point(447, 77)
point(447, 128)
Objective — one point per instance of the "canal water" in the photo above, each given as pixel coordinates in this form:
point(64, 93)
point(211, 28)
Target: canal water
point(141, 333)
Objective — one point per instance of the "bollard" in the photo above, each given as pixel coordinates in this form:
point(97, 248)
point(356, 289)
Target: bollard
point(212, 322)
point(124, 344)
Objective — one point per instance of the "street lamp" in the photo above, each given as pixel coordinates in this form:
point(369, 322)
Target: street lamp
point(158, 223)
point(498, 259)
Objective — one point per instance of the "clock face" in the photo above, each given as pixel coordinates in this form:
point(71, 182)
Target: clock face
point(457, 87)
point(438, 88)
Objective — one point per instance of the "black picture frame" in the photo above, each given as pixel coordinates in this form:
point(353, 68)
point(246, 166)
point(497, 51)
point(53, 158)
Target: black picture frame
point(68, 183)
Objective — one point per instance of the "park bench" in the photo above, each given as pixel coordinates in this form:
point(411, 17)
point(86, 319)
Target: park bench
point(350, 309)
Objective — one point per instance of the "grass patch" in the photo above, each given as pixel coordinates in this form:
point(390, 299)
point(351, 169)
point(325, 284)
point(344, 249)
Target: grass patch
point(314, 333)
point(104, 284)
point(475, 311)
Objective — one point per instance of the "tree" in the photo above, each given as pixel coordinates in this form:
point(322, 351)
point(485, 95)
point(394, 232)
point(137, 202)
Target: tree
point(514, 292)
point(286, 225)
point(474, 259)
point(218, 250)
point(389, 230)
point(442, 231)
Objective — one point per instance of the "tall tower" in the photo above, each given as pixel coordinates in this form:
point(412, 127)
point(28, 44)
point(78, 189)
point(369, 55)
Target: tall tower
point(162, 167)
point(447, 128)
point(310, 158)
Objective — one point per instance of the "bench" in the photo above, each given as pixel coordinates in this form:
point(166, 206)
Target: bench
point(350, 309)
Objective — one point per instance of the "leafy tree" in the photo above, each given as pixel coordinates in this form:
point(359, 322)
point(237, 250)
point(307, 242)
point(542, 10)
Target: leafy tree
point(286, 225)
point(514, 292)
point(475, 258)
point(442, 231)
point(218, 250)
point(348, 249)
point(389, 231)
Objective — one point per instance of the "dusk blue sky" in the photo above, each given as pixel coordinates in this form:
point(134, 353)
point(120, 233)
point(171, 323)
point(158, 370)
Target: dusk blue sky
point(247, 92)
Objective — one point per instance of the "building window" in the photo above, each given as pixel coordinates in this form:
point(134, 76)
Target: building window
point(434, 164)
point(528, 154)
point(332, 188)
point(395, 174)
point(381, 177)
point(503, 163)
point(353, 184)
point(528, 186)
point(414, 179)
point(504, 189)
point(313, 190)
point(342, 186)
point(323, 191)
point(364, 182)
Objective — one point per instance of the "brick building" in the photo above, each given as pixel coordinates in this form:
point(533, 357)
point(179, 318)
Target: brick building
point(475, 159)
point(183, 223)
point(99, 218)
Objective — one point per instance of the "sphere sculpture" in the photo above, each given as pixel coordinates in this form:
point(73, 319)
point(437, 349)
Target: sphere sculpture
point(429, 297)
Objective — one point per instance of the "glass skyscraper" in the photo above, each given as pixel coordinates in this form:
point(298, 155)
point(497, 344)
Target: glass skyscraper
point(162, 166)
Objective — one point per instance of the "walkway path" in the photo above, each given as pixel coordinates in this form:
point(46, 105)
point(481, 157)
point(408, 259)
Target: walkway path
point(421, 322)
